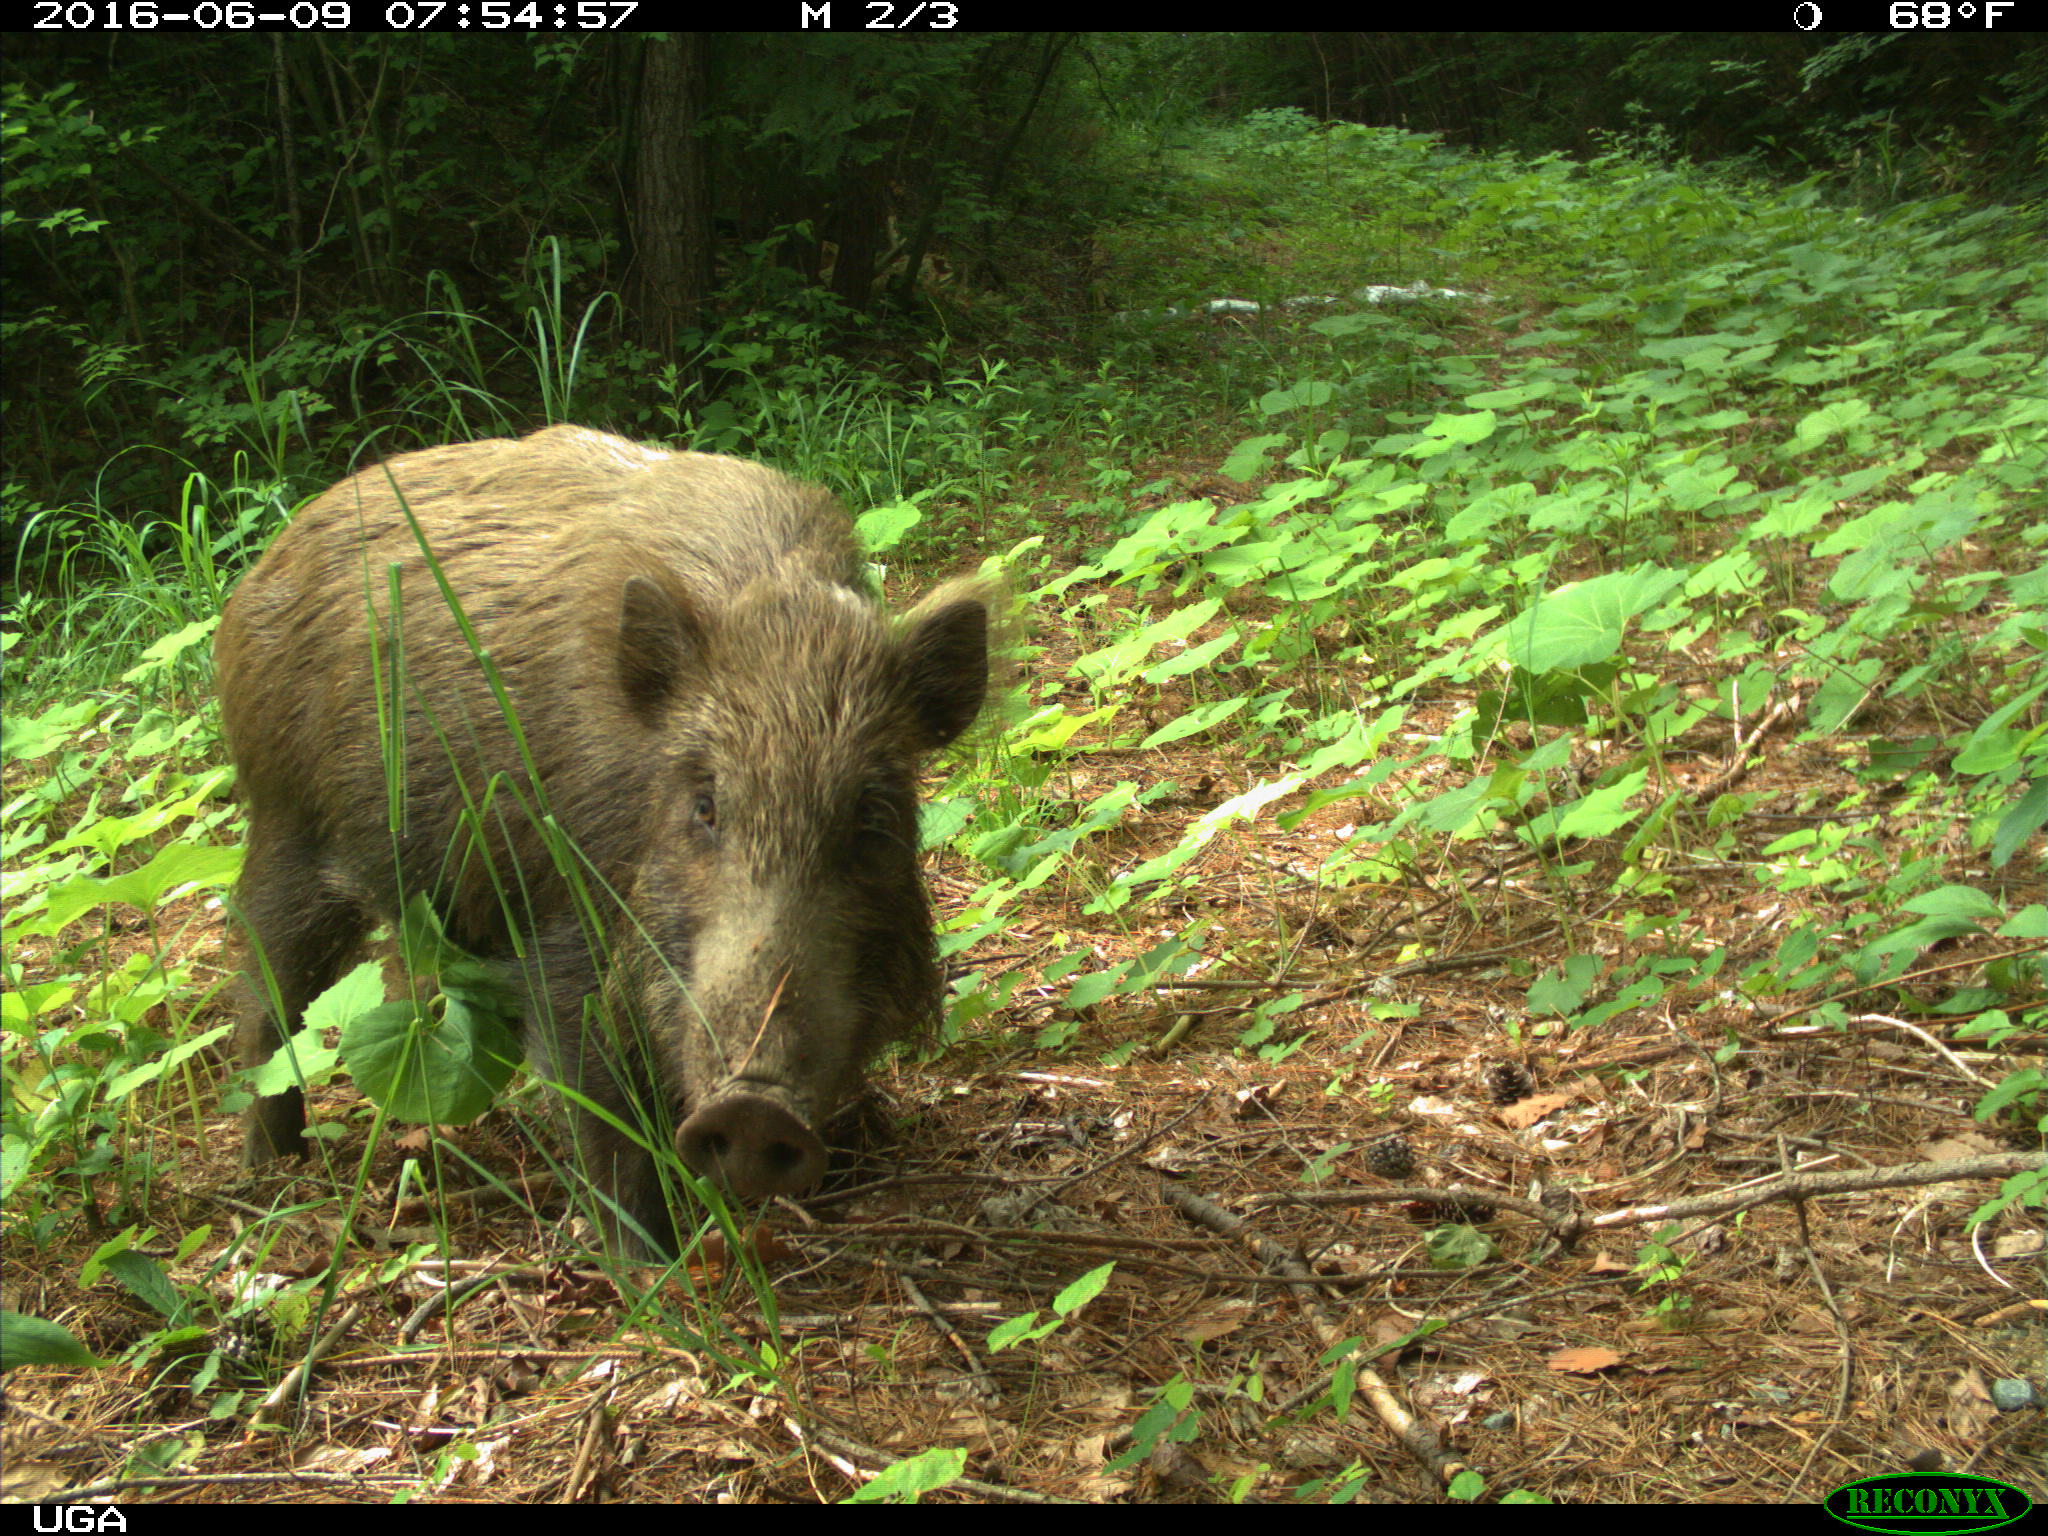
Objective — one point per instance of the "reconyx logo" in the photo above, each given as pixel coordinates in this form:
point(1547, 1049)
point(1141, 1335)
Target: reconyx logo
point(1922, 1502)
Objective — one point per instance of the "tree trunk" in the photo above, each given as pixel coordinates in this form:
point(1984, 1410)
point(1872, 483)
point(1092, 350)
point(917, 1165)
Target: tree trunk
point(671, 212)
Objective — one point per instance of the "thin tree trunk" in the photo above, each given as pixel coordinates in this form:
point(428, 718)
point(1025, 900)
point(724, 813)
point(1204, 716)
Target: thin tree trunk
point(671, 194)
point(1055, 45)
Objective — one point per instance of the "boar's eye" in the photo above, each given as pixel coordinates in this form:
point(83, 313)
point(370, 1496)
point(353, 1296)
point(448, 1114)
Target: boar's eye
point(704, 813)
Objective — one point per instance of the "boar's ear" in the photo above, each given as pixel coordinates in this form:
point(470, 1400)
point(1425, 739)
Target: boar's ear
point(656, 637)
point(945, 650)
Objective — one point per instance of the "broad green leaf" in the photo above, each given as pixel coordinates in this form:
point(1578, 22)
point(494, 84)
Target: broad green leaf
point(884, 527)
point(1310, 393)
point(1111, 664)
point(176, 867)
point(1193, 659)
point(1964, 901)
point(1083, 1290)
point(428, 1070)
point(1817, 427)
point(2024, 817)
point(908, 1480)
point(1200, 718)
point(1604, 810)
point(42, 733)
point(171, 646)
point(28, 1340)
point(1841, 691)
point(1583, 623)
point(1247, 460)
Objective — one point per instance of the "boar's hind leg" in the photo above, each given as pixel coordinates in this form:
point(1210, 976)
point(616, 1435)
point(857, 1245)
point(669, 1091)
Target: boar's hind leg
point(298, 932)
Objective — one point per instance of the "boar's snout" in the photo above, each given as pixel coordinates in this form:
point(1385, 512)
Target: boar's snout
point(752, 1145)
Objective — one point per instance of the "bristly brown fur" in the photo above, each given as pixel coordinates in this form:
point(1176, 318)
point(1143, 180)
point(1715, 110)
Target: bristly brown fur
point(707, 703)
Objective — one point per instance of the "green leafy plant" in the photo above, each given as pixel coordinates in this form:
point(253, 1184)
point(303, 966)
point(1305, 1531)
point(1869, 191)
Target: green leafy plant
point(909, 1480)
point(1663, 1272)
point(1027, 1329)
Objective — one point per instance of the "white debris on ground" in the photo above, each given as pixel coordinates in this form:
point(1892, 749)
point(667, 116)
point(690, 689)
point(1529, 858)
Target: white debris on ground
point(1372, 293)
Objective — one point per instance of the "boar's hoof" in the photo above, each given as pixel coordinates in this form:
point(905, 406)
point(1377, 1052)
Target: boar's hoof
point(274, 1128)
point(753, 1146)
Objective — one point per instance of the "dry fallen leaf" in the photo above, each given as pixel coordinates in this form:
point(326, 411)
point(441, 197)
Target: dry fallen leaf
point(1584, 1362)
point(1526, 1112)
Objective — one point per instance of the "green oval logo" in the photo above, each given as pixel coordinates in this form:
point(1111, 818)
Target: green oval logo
point(1918, 1502)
